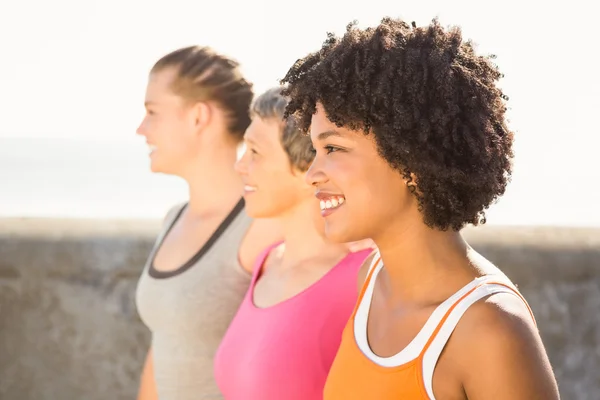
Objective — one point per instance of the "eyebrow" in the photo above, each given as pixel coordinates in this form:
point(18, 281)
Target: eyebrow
point(326, 134)
point(251, 141)
point(149, 103)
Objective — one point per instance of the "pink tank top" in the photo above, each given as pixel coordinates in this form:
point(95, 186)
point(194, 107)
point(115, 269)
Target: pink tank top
point(285, 351)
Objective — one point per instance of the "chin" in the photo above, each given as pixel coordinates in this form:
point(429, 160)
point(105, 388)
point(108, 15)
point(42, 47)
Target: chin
point(155, 168)
point(254, 211)
point(165, 168)
point(339, 234)
point(164, 171)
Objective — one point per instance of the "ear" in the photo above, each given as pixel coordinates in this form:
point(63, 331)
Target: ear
point(412, 183)
point(297, 173)
point(201, 115)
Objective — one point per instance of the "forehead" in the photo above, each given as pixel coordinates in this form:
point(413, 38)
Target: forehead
point(322, 128)
point(320, 123)
point(160, 82)
point(263, 132)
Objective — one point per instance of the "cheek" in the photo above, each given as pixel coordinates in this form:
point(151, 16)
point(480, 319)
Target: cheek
point(177, 134)
point(318, 220)
point(270, 184)
point(281, 184)
point(254, 169)
point(154, 127)
point(275, 195)
point(285, 191)
point(351, 180)
point(389, 197)
point(373, 194)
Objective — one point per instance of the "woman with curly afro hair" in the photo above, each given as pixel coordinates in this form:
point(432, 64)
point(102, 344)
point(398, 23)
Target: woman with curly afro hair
point(411, 145)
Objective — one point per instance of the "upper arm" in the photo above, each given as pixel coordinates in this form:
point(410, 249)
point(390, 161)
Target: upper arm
point(147, 389)
point(261, 234)
point(505, 357)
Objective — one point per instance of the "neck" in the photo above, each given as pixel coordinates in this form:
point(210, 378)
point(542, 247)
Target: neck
point(302, 238)
point(418, 259)
point(212, 181)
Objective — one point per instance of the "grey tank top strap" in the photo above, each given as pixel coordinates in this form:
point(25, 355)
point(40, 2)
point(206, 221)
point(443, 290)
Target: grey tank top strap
point(189, 310)
point(168, 222)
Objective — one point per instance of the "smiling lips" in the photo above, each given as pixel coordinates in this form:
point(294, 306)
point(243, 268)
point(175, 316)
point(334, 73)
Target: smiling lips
point(249, 189)
point(330, 203)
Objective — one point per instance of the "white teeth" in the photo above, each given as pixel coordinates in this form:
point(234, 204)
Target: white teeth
point(332, 202)
point(249, 188)
point(151, 148)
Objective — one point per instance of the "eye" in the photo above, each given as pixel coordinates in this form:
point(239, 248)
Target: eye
point(331, 149)
point(150, 112)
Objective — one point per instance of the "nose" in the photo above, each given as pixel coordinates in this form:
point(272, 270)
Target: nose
point(139, 129)
point(315, 175)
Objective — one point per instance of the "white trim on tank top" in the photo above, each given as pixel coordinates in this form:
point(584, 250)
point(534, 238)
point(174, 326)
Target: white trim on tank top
point(416, 346)
point(432, 354)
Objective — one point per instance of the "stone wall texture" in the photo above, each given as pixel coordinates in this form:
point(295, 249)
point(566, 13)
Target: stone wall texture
point(69, 329)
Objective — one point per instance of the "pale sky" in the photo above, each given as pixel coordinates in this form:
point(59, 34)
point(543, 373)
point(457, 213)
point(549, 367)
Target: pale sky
point(77, 68)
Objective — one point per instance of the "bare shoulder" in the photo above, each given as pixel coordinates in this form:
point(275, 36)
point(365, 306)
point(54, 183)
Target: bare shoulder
point(261, 234)
point(500, 353)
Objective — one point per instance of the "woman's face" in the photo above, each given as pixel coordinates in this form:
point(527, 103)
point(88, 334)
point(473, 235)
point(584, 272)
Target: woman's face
point(361, 195)
point(271, 185)
point(170, 126)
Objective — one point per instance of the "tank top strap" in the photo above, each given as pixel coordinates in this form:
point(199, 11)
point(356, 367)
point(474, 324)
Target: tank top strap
point(260, 262)
point(437, 341)
point(167, 224)
point(170, 219)
point(375, 263)
point(173, 215)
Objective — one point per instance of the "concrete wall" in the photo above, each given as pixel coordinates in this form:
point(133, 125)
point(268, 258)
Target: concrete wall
point(69, 329)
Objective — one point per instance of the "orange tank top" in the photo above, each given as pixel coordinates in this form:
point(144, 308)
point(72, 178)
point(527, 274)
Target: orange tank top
point(359, 374)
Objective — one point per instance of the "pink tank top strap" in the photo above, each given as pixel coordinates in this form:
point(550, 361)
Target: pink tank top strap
point(260, 261)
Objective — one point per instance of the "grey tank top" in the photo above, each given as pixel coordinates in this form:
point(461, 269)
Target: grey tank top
point(188, 310)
